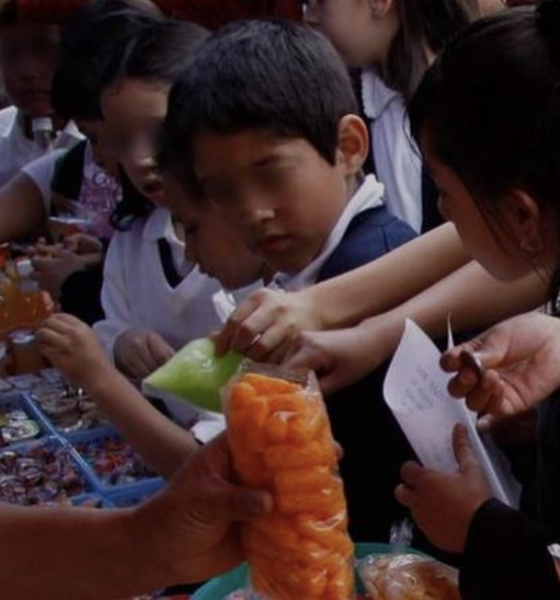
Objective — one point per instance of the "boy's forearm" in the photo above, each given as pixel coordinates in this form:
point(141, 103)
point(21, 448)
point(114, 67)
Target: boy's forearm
point(83, 554)
point(390, 280)
point(473, 299)
point(163, 444)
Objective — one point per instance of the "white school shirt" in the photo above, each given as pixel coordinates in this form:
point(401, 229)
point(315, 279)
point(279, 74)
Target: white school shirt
point(17, 150)
point(398, 163)
point(136, 292)
point(369, 195)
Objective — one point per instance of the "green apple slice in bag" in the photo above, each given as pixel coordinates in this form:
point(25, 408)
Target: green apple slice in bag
point(195, 374)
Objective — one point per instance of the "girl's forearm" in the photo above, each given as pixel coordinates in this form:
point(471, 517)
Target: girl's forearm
point(471, 297)
point(163, 444)
point(388, 281)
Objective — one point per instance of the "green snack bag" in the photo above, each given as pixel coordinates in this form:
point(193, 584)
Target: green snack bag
point(195, 374)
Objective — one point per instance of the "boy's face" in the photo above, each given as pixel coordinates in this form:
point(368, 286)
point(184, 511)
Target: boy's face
point(28, 59)
point(210, 241)
point(133, 110)
point(280, 193)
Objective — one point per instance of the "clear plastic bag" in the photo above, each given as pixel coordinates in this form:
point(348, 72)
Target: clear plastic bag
point(281, 440)
point(408, 577)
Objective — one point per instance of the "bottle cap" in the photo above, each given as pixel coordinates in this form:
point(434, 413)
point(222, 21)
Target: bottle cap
point(42, 125)
point(24, 267)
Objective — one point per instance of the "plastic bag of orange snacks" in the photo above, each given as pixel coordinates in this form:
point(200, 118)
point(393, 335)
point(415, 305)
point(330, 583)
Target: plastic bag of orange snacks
point(281, 440)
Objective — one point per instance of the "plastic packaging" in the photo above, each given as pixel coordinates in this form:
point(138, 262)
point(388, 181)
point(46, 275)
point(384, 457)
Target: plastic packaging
point(408, 577)
point(195, 374)
point(281, 441)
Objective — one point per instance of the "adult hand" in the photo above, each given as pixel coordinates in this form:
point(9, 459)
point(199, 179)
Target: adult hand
point(195, 521)
point(265, 325)
point(519, 366)
point(443, 505)
point(72, 347)
point(139, 352)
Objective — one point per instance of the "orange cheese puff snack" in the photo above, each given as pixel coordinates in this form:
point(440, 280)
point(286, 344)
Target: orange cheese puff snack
point(281, 440)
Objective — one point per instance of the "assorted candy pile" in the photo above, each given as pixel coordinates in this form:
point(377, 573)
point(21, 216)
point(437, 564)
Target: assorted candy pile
point(39, 475)
point(17, 426)
point(69, 410)
point(114, 461)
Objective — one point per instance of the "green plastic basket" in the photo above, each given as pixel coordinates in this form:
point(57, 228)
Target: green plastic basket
point(222, 586)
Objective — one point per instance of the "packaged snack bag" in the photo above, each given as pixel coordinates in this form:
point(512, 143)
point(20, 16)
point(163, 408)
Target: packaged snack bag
point(281, 441)
point(195, 374)
point(408, 577)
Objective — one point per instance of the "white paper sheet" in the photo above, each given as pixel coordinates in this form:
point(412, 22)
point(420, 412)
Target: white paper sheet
point(416, 391)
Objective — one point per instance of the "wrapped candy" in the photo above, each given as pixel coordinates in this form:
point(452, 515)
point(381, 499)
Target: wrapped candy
point(281, 440)
point(408, 577)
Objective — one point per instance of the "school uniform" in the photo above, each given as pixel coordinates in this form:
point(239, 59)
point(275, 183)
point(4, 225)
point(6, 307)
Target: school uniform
point(394, 156)
point(506, 556)
point(373, 443)
point(148, 283)
point(17, 150)
point(87, 191)
point(140, 291)
point(209, 13)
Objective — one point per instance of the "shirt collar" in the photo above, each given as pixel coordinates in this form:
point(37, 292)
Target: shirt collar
point(376, 96)
point(369, 195)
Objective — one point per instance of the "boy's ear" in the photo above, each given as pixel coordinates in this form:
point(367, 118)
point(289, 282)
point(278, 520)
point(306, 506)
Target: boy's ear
point(379, 8)
point(353, 144)
point(523, 218)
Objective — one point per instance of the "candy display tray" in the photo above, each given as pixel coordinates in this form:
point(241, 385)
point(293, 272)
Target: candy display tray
point(21, 401)
point(79, 438)
point(53, 443)
point(108, 496)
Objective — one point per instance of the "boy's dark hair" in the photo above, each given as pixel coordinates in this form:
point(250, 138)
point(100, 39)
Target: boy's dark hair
point(270, 75)
point(91, 46)
point(423, 24)
point(490, 107)
point(158, 54)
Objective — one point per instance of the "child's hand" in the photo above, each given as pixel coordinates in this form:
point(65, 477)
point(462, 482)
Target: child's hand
point(72, 348)
point(444, 505)
point(265, 325)
point(339, 357)
point(139, 352)
point(51, 272)
point(82, 243)
point(520, 365)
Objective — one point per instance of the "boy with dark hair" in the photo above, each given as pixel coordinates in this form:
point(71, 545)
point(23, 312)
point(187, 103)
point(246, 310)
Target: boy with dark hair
point(28, 59)
point(264, 122)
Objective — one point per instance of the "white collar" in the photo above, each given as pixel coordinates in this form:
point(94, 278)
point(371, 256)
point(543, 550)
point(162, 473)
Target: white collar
point(369, 195)
point(376, 96)
point(160, 225)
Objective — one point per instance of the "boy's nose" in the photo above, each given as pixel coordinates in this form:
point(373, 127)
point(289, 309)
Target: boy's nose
point(258, 215)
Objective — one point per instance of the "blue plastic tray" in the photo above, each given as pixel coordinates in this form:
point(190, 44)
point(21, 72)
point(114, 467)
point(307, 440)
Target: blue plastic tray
point(87, 437)
point(221, 587)
point(135, 494)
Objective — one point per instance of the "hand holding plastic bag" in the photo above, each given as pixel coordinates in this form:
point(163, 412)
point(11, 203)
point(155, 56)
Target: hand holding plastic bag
point(281, 440)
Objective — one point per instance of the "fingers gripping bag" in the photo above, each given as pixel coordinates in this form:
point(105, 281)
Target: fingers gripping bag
point(280, 438)
point(408, 577)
